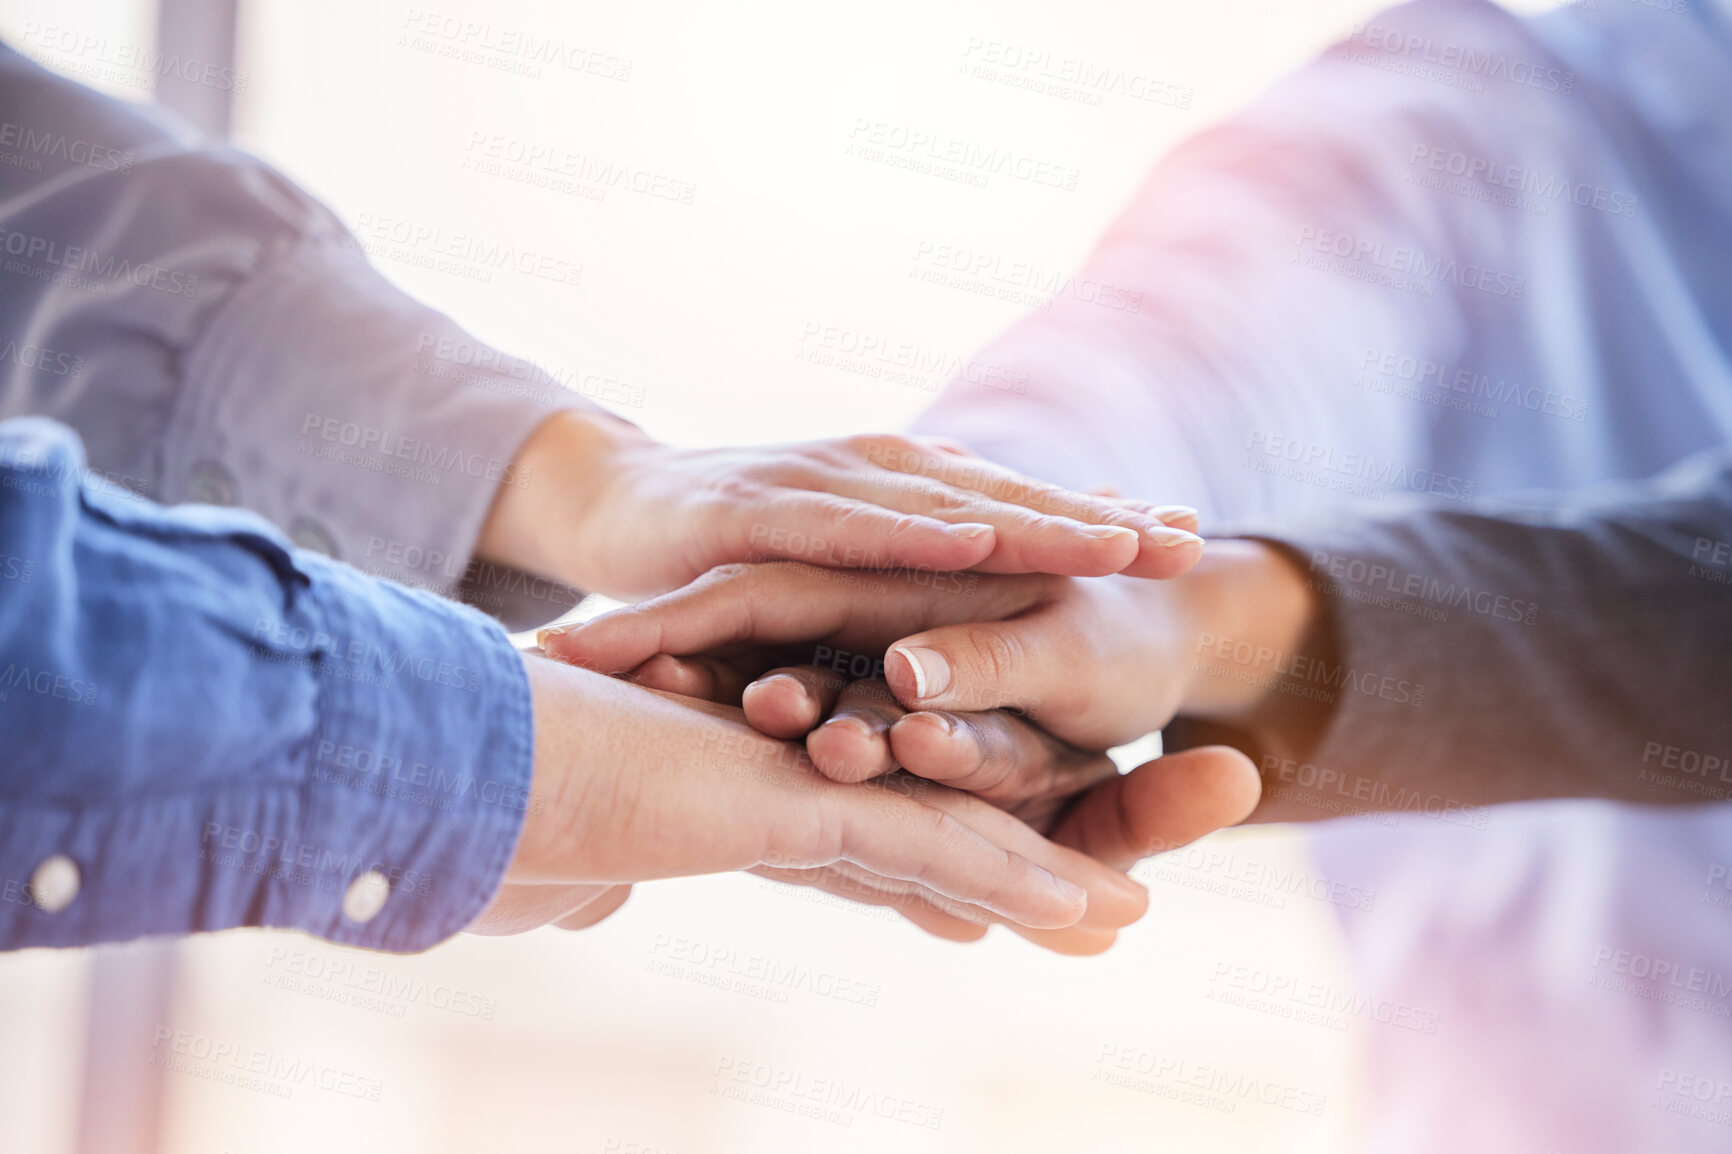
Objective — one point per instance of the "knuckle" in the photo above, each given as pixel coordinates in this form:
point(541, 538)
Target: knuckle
point(730, 573)
point(997, 657)
point(890, 450)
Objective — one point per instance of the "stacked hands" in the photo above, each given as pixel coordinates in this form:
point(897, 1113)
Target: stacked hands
point(1009, 633)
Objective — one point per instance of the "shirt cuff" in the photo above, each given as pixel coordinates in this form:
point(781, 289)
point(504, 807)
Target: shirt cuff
point(388, 823)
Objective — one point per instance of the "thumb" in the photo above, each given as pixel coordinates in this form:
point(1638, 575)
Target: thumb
point(973, 667)
point(1162, 805)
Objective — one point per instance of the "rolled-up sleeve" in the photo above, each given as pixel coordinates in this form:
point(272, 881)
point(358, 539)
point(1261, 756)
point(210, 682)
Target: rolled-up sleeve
point(207, 728)
point(216, 335)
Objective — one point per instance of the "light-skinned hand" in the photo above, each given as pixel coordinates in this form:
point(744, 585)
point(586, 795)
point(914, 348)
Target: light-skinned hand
point(632, 785)
point(598, 504)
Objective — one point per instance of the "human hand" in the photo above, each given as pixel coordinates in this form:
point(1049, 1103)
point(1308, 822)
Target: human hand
point(600, 505)
point(1092, 663)
point(639, 786)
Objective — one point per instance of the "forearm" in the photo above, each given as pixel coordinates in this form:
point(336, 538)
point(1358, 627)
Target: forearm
point(1569, 650)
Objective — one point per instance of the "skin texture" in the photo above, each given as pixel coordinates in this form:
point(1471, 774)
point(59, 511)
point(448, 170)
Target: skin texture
point(1036, 676)
point(607, 509)
point(633, 785)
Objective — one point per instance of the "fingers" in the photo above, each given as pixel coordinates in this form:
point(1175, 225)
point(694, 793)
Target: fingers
point(790, 702)
point(985, 665)
point(599, 907)
point(1025, 541)
point(844, 526)
point(854, 744)
point(1162, 805)
point(996, 756)
point(705, 678)
point(880, 827)
point(734, 607)
point(953, 923)
point(1173, 516)
point(1040, 527)
point(517, 909)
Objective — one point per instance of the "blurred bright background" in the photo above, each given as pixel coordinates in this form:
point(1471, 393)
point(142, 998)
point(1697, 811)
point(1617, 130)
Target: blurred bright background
point(756, 223)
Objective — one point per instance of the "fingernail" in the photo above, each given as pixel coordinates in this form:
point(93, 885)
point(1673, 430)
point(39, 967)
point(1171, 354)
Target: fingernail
point(931, 670)
point(969, 530)
point(1108, 532)
point(849, 721)
point(941, 720)
point(1169, 538)
point(1171, 513)
point(541, 635)
point(1073, 895)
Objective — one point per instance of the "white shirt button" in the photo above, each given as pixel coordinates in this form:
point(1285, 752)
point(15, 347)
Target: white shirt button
point(55, 883)
point(365, 897)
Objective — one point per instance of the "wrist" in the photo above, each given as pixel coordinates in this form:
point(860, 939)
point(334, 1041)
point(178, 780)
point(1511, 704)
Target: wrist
point(541, 517)
point(1248, 617)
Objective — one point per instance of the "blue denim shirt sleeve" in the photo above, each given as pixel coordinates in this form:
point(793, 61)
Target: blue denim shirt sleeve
point(219, 730)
